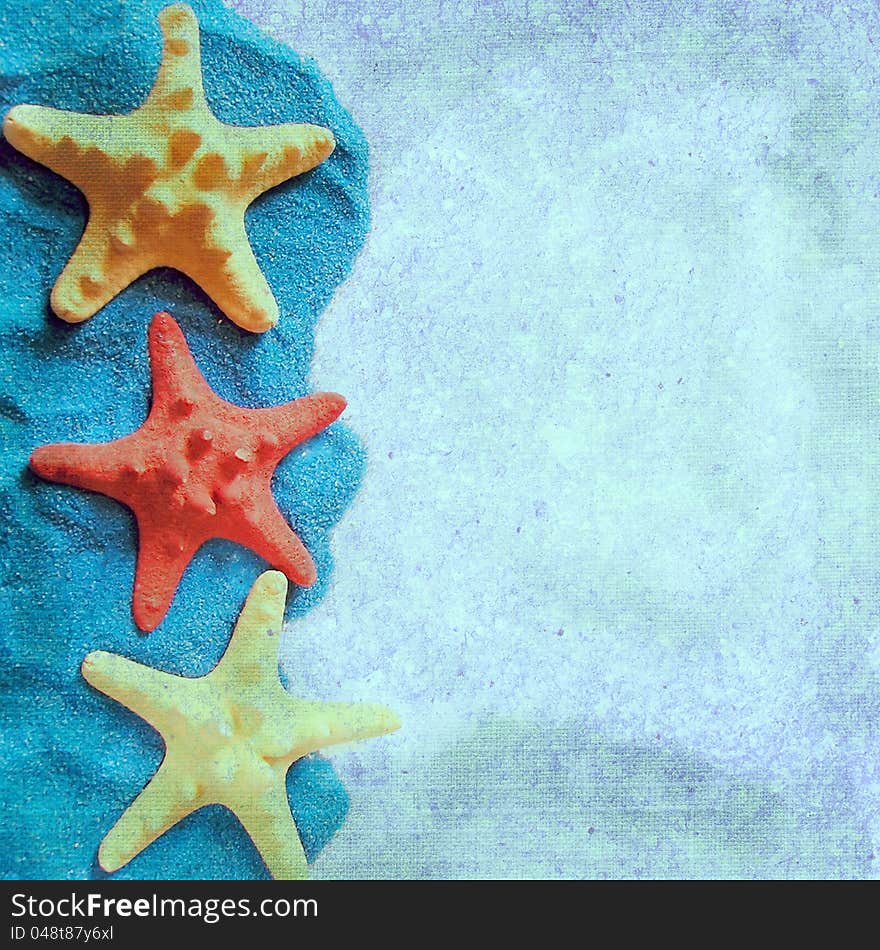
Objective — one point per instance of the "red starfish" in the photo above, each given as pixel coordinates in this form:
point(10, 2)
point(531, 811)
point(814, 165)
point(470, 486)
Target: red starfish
point(198, 468)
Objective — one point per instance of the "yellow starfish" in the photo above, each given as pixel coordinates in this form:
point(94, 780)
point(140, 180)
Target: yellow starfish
point(230, 737)
point(167, 185)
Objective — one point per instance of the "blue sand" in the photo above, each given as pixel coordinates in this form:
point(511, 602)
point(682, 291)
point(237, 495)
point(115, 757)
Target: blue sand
point(73, 759)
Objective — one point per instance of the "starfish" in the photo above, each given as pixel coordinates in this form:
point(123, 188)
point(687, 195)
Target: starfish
point(198, 468)
point(230, 737)
point(167, 185)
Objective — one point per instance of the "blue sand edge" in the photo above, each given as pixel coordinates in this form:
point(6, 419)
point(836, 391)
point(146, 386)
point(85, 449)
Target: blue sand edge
point(74, 759)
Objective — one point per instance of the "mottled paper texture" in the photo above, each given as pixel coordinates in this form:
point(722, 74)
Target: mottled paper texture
point(612, 348)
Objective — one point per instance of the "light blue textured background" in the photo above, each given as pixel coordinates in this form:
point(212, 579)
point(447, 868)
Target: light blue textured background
point(612, 346)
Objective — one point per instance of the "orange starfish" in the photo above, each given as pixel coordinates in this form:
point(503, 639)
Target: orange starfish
point(198, 468)
point(167, 184)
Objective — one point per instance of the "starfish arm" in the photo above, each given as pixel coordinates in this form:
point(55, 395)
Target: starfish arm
point(94, 466)
point(153, 695)
point(294, 422)
point(252, 653)
point(270, 155)
point(168, 798)
point(70, 143)
point(179, 79)
point(162, 559)
point(267, 534)
point(317, 725)
point(236, 284)
point(177, 381)
point(268, 821)
point(96, 272)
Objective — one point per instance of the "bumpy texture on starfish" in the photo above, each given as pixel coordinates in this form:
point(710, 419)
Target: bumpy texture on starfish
point(198, 468)
point(230, 737)
point(167, 185)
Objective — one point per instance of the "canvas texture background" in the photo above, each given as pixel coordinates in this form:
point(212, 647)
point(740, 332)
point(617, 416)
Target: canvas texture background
point(612, 347)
